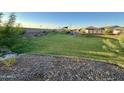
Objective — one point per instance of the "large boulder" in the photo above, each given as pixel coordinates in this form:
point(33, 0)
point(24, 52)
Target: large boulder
point(8, 57)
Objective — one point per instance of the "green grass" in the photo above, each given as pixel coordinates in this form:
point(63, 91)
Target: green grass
point(85, 46)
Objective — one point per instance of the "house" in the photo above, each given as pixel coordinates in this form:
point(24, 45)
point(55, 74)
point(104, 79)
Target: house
point(90, 30)
point(117, 30)
point(94, 30)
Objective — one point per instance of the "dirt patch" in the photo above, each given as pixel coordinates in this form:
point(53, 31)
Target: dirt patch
point(57, 68)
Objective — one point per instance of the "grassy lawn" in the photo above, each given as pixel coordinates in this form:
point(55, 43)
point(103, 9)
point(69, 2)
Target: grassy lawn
point(81, 46)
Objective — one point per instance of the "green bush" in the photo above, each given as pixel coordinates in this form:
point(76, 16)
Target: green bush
point(11, 36)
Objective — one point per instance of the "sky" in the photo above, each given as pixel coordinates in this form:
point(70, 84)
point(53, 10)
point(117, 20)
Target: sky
point(71, 19)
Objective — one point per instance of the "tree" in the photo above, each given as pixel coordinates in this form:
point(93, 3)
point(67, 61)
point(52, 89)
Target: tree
point(66, 29)
point(11, 35)
point(1, 14)
point(12, 19)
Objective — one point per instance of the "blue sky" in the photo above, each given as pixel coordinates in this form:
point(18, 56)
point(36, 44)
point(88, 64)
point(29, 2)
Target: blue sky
point(73, 19)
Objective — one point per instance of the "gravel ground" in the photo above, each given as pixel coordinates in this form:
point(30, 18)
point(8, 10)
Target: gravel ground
point(56, 68)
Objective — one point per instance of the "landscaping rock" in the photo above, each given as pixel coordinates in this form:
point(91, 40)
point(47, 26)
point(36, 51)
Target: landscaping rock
point(58, 68)
point(9, 55)
point(31, 32)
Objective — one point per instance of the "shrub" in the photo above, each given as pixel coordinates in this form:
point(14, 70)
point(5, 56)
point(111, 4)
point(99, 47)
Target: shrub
point(108, 31)
point(121, 37)
point(9, 62)
point(11, 35)
point(82, 31)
